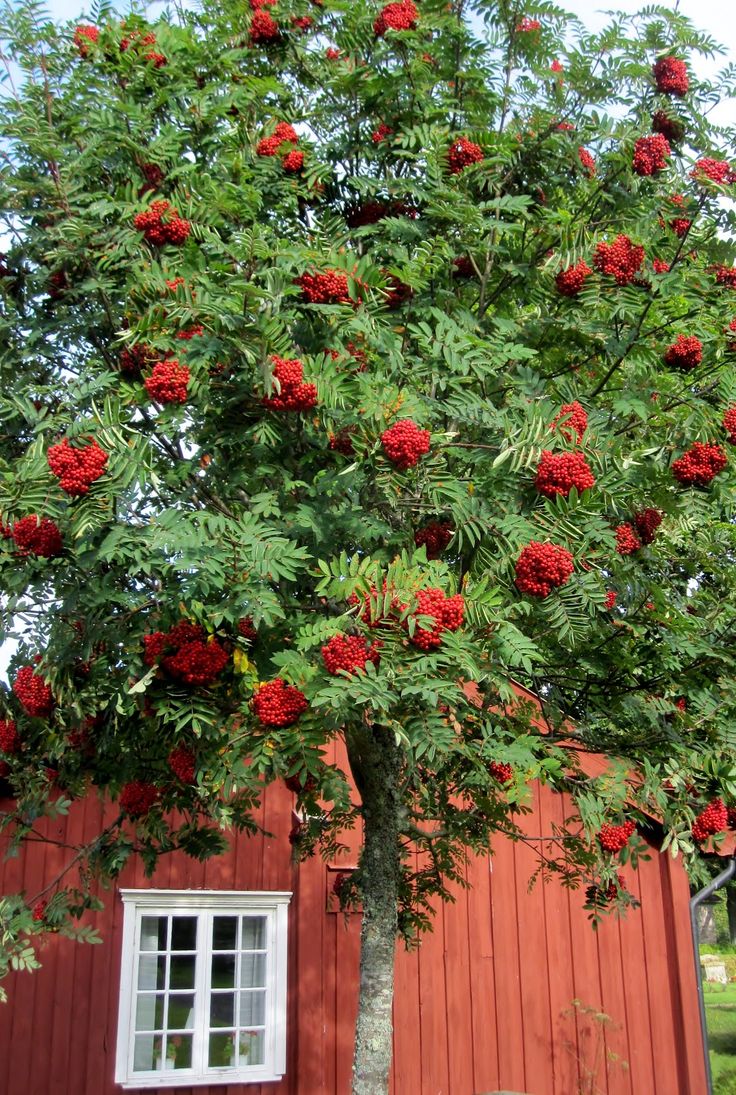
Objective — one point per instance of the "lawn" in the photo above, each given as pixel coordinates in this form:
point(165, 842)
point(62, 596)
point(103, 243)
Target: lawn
point(720, 1004)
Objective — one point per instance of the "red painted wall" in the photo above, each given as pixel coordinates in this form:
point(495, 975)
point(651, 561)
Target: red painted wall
point(485, 1003)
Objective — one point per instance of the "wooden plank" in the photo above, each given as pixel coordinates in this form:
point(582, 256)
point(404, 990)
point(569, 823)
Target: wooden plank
point(506, 970)
point(636, 989)
point(586, 978)
point(613, 992)
point(432, 1015)
point(408, 1033)
point(483, 1027)
point(458, 1010)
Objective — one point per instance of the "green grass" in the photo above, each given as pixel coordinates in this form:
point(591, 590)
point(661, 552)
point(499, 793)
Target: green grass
point(720, 1007)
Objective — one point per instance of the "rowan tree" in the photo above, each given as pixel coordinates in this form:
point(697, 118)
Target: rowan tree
point(357, 361)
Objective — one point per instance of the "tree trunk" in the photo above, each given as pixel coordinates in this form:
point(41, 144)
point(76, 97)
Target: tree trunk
point(375, 762)
point(731, 909)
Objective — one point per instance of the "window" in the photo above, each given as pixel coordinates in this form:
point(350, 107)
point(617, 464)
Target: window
point(202, 988)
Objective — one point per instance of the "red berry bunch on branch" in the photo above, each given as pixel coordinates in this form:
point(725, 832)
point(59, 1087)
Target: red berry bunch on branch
point(293, 394)
point(342, 441)
point(671, 128)
point(277, 703)
point(133, 359)
point(596, 895)
point(186, 653)
point(247, 629)
point(729, 424)
point(612, 838)
point(627, 541)
point(161, 224)
point(621, 259)
point(282, 134)
point(587, 162)
point(541, 568)
point(685, 353)
point(527, 25)
point(570, 282)
point(447, 612)
point(571, 421)
point(380, 134)
point(349, 653)
point(713, 819)
point(264, 30)
point(329, 287)
point(85, 37)
point(502, 773)
point(138, 798)
point(36, 535)
point(77, 467)
point(726, 275)
point(651, 155)
point(168, 382)
point(10, 740)
point(718, 171)
point(398, 16)
point(435, 536)
point(183, 764)
point(670, 76)
point(647, 521)
point(700, 464)
point(462, 154)
point(405, 443)
point(610, 601)
point(558, 473)
point(33, 693)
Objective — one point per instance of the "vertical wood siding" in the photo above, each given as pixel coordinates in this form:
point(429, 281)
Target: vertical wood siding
point(485, 1003)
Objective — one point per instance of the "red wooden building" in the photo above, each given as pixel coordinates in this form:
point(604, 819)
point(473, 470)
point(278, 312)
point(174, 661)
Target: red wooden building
point(486, 1003)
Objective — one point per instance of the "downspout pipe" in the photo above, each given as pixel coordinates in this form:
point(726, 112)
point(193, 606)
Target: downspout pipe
point(695, 902)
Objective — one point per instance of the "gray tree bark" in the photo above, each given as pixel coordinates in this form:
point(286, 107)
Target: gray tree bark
point(375, 761)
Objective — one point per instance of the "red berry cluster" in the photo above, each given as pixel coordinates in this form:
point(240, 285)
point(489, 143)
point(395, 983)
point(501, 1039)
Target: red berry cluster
point(397, 292)
point(731, 344)
point(342, 441)
point(76, 468)
point(621, 259)
point(302, 22)
point(670, 76)
point(541, 568)
point(463, 267)
point(447, 613)
point(650, 155)
point(36, 535)
point(154, 176)
point(137, 798)
point(647, 521)
point(729, 424)
point(332, 54)
point(569, 282)
point(169, 382)
point(330, 287)
point(247, 629)
point(161, 224)
point(462, 153)
point(502, 773)
point(685, 353)
point(610, 601)
point(587, 162)
point(400, 16)
point(660, 266)
point(298, 785)
point(139, 41)
point(713, 819)
point(556, 66)
point(135, 358)
point(726, 275)
point(718, 171)
point(183, 763)
point(680, 226)
point(671, 128)
point(10, 741)
point(435, 537)
point(571, 418)
point(700, 464)
point(84, 37)
point(38, 912)
point(190, 332)
point(381, 133)
point(596, 895)
point(283, 134)
point(612, 838)
point(186, 653)
point(263, 29)
point(627, 542)
point(558, 473)
point(33, 693)
point(277, 703)
point(526, 25)
point(257, 4)
point(293, 394)
point(348, 653)
point(404, 443)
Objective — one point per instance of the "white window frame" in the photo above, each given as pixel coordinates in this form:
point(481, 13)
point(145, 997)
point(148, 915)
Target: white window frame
point(205, 904)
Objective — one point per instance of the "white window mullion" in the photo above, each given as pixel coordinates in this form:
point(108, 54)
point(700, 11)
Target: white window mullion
point(201, 991)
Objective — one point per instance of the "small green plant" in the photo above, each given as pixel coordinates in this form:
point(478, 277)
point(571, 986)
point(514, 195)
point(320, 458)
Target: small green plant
point(591, 1051)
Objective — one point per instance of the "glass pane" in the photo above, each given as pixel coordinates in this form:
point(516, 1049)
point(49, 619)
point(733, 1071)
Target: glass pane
point(222, 1050)
point(251, 1044)
point(152, 971)
point(153, 933)
point(223, 971)
point(184, 933)
point(181, 971)
point(222, 1009)
point(149, 1012)
point(254, 933)
point(147, 1052)
point(179, 1051)
point(225, 933)
point(252, 1009)
point(181, 1012)
point(252, 971)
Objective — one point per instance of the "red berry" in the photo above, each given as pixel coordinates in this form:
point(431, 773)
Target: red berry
point(330, 287)
point(76, 468)
point(183, 764)
point(161, 224)
point(137, 798)
point(135, 358)
point(293, 394)
point(587, 162)
point(186, 654)
point(38, 912)
point(33, 693)
point(293, 162)
point(558, 473)
point(399, 16)
point(612, 838)
point(263, 29)
point(726, 275)
point(10, 741)
point(303, 22)
point(571, 419)
point(685, 353)
point(342, 441)
point(404, 443)
point(36, 535)
point(435, 537)
point(670, 76)
point(718, 171)
point(526, 25)
point(169, 382)
point(462, 154)
point(729, 424)
point(502, 773)
point(541, 568)
point(277, 703)
point(660, 266)
point(397, 291)
point(621, 259)
point(348, 653)
point(380, 134)
point(713, 819)
point(569, 282)
point(447, 613)
point(671, 128)
point(463, 267)
point(647, 521)
point(610, 601)
point(651, 154)
point(700, 464)
point(282, 134)
point(680, 226)
point(246, 629)
point(627, 542)
point(84, 37)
